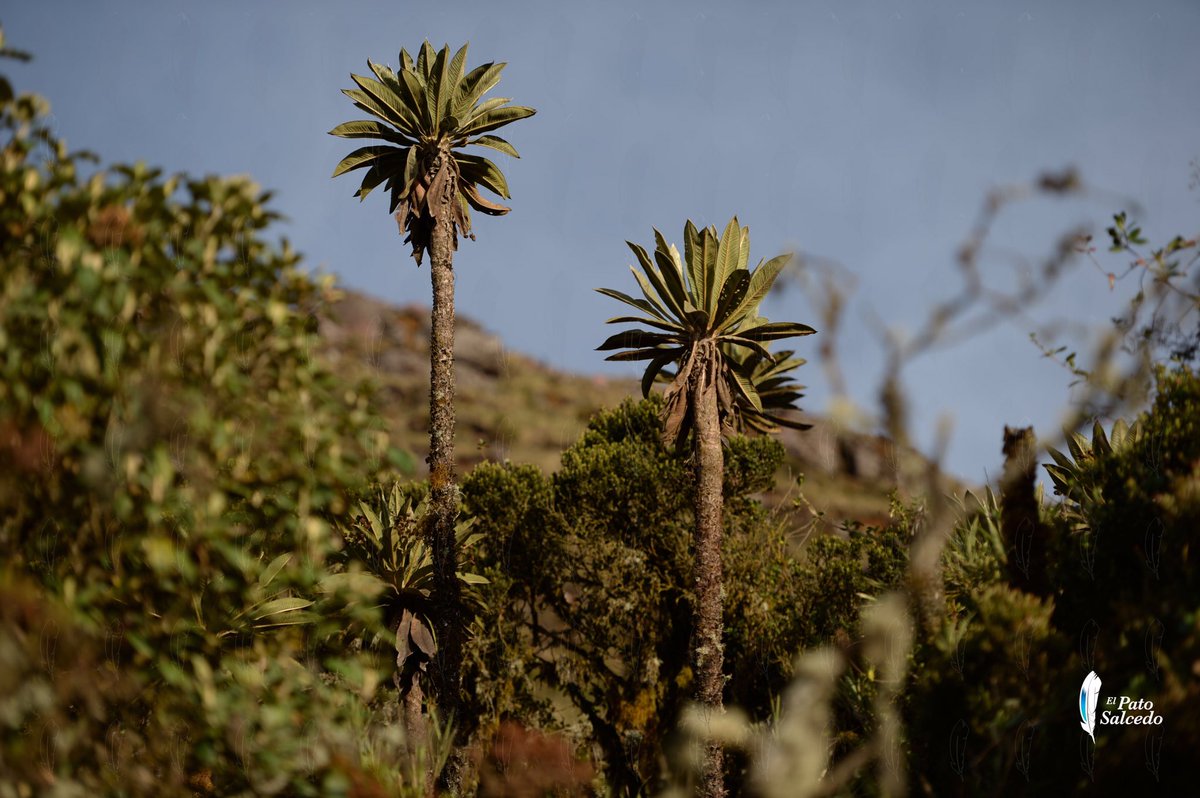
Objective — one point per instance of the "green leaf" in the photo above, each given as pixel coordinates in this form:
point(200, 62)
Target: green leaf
point(777, 330)
point(669, 326)
point(1059, 457)
point(384, 73)
point(496, 119)
point(650, 291)
point(1120, 432)
point(661, 291)
point(784, 362)
point(636, 339)
point(752, 345)
point(766, 386)
point(362, 157)
point(384, 168)
point(654, 368)
point(646, 354)
point(778, 398)
point(408, 107)
point(1100, 443)
point(760, 285)
point(1079, 446)
point(425, 59)
point(367, 103)
point(640, 304)
point(672, 277)
point(417, 94)
point(271, 571)
point(496, 143)
point(694, 260)
point(733, 291)
point(437, 92)
point(728, 253)
point(746, 389)
point(294, 618)
point(397, 113)
point(1060, 476)
point(477, 83)
point(454, 76)
point(789, 423)
point(370, 129)
point(698, 319)
point(484, 108)
point(375, 528)
point(481, 171)
point(279, 606)
point(708, 252)
point(410, 168)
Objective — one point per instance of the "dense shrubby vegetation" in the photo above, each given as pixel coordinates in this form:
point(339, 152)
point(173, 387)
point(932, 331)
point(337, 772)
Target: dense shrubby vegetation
point(591, 573)
point(172, 457)
point(215, 580)
point(993, 695)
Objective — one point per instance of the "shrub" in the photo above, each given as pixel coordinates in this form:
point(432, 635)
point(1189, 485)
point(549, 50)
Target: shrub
point(590, 602)
point(172, 454)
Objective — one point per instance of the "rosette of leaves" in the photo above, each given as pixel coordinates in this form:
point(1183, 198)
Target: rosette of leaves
point(425, 114)
point(702, 311)
point(1074, 476)
point(776, 390)
point(388, 539)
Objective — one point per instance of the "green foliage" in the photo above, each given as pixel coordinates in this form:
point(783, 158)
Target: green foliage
point(703, 311)
point(591, 607)
point(171, 456)
point(986, 681)
point(603, 544)
point(1073, 476)
point(1173, 300)
point(427, 112)
point(385, 555)
point(709, 295)
point(751, 465)
point(990, 683)
point(201, 526)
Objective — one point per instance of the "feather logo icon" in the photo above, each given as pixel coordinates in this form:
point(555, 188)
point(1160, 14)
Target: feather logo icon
point(1089, 696)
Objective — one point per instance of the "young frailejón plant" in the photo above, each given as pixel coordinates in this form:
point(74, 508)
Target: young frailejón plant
point(425, 114)
point(702, 311)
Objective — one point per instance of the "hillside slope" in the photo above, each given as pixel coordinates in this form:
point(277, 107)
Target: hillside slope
point(511, 407)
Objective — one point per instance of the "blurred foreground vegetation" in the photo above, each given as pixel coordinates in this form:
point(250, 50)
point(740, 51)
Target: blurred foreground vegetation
point(207, 541)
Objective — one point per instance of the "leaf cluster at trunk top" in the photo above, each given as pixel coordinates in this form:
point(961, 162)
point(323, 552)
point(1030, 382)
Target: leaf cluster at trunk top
point(702, 309)
point(429, 110)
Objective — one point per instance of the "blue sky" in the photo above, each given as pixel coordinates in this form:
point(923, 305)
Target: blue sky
point(867, 133)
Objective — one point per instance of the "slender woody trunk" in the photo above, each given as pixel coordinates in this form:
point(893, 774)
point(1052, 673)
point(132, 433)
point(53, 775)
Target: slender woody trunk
point(443, 492)
point(415, 728)
point(708, 648)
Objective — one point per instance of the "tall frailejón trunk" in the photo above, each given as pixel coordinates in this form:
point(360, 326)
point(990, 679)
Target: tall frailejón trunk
point(443, 490)
point(708, 647)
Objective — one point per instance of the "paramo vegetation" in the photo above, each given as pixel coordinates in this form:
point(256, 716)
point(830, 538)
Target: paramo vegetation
point(219, 577)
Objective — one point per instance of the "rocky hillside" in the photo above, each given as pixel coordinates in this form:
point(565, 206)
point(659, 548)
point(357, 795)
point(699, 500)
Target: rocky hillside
point(511, 407)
